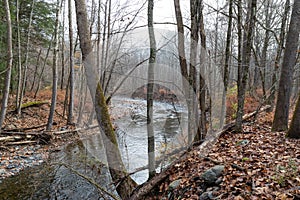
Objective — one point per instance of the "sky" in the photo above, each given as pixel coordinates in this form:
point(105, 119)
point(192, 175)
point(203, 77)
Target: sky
point(164, 9)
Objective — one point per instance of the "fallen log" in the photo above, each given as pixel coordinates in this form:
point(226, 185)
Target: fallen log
point(14, 138)
point(24, 129)
point(32, 104)
point(203, 150)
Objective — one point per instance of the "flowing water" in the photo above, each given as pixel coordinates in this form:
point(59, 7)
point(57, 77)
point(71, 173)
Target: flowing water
point(56, 180)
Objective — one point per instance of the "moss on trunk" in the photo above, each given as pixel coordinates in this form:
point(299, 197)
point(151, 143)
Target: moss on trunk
point(125, 185)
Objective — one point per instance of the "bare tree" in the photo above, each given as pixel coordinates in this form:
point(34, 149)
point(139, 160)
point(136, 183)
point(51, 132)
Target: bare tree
point(63, 51)
point(150, 130)
point(181, 46)
point(39, 81)
point(36, 69)
point(280, 122)
point(9, 64)
point(26, 58)
point(202, 130)
point(71, 77)
point(244, 66)
point(19, 54)
point(263, 63)
point(279, 52)
point(54, 69)
point(226, 64)
point(115, 164)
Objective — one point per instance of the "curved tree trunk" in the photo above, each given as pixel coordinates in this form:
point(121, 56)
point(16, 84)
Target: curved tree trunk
point(124, 184)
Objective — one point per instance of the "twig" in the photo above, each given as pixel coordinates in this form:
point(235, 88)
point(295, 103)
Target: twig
point(22, 142)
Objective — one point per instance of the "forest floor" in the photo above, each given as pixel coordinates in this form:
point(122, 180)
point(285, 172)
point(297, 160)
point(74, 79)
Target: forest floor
point(259, 164)
point(18, 152)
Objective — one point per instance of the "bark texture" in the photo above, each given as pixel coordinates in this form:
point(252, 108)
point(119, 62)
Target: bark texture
point(150, 128)
point(280, 122)
point(9, 64)
point(294, 130)
point(54, 69)
point(244, 67)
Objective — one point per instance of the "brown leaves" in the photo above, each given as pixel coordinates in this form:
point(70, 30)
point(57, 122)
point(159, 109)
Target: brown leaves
point(259, 165)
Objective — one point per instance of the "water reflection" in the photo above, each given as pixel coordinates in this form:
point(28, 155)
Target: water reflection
point(55, 181)
point(87, 156)
point(169, 124)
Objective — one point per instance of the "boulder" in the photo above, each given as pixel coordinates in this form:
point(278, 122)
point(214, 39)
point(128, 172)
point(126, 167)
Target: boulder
point(211, 175)
point(174, 184)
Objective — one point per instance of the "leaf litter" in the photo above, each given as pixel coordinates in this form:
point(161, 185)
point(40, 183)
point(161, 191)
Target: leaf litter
point(259, 164)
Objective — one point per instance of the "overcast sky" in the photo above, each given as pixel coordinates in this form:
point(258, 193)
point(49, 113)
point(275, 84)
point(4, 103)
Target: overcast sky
point(164, 9)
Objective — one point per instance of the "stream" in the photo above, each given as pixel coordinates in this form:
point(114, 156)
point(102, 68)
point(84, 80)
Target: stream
point(55, 179)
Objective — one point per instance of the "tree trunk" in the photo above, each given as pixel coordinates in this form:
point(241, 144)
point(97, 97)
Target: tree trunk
point(103, 67)
point(115, 164)
point(263, 62)
point(294, 130)
point(82, 97)
point(279, 52)
point(150, 129)
point(43, 68)
point(26, 59)
point(183, 66)
point(106, 65)
point(280, 122)
point(19, 54)
point(98, 38)
point(181, 46)
point(71, 77)
point(62, 77)
point(192, 102)
point(244, 67)
point(54, 69)
point(36, 69)
point(202, 131)
point(9, 64)
point(226, 64)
